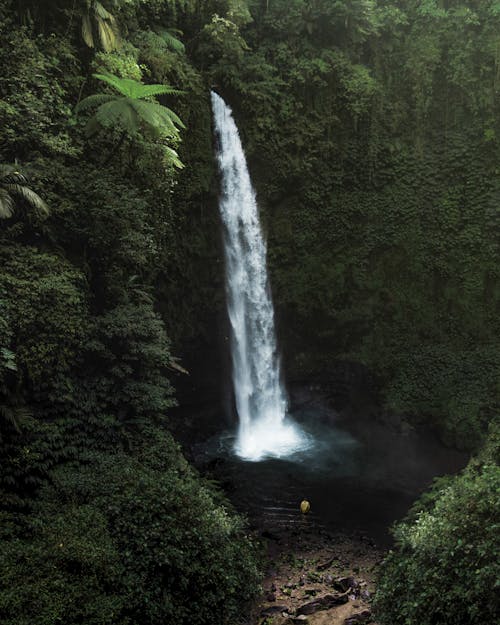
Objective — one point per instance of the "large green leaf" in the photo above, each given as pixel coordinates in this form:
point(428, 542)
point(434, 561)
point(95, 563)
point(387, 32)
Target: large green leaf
point(87, 35)
point(92, 101)
point(118, 113)
point(27, 194)
point(156, 116)
point(108, 35)
point(134, 89)
point(101, 12)
point(6, 204)
point(170, 37)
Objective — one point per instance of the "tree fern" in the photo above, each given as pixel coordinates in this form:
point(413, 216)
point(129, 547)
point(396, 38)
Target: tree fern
point(133, 89)
point(133, 110)
point(92, 101)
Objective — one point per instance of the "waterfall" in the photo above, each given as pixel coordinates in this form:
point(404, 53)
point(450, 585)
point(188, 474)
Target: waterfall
point(264, 429)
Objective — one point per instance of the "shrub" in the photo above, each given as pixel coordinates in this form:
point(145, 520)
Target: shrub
point(128, 540)
point(445, 570)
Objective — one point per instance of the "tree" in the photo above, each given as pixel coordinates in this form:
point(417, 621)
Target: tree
point(444, 567)
point(133, 110)
point(13, 184)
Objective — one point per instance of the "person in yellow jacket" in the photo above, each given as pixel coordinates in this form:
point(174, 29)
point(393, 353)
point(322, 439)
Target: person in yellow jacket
point(305, 506)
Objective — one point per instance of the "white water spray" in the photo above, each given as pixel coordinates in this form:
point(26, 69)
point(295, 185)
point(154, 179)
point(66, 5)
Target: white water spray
point(261, 402)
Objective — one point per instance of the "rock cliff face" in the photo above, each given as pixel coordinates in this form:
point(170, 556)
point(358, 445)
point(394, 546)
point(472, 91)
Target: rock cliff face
point(375, 172)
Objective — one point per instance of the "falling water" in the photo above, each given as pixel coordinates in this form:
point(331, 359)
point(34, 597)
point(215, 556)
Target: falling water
point(264, 429)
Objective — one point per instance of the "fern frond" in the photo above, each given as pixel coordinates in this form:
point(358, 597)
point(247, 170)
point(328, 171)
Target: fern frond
point(172, 41)
point(6, 204)
point(147, 114)
point(92, 101)
point(133, 89)
point(173, 116)
point(118, 112)
point(87, 34)
point(32, 198)
point(145, 91)
point(167, 114)
point(92, 127)
point(122, 85)
point(156, 117)
point(173, 158)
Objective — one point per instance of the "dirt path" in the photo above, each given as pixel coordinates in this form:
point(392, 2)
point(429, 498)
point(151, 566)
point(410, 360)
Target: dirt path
point(315, 578)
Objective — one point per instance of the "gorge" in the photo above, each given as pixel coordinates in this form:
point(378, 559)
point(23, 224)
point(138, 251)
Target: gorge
point(181, 364)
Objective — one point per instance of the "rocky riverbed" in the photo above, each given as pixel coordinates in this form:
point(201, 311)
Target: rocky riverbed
point(317, 578)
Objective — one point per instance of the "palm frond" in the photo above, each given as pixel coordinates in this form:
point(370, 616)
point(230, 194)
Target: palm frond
point(16, 416)
point(6, 204)
point(102, 12)
point(173, 364)
point(108, 35)
point(27, 194)
point(92, 101)
point(14, 177)
point(87, 34)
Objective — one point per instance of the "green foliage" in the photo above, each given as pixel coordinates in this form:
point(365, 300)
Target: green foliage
point(34, 108)
point(371, 131)
point(445, 566)
point(126, 540)
point(372, 134)
point(128, 357)
point(133, 111)
point(44, 301)
point(14, 183)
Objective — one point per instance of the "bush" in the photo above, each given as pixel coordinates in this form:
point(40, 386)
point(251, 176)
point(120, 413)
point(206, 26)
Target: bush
point(445, 570)
point(128, 540)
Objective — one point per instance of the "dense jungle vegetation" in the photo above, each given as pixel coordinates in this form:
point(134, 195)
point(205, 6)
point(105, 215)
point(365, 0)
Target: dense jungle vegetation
point(373, 133)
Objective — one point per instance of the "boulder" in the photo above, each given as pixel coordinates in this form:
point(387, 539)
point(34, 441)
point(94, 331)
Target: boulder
point(325, 565)
point(322, 603)
point(273, 609)
point(359, 619)
point(311, 591)
point(343, 584)
point(297, 620)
